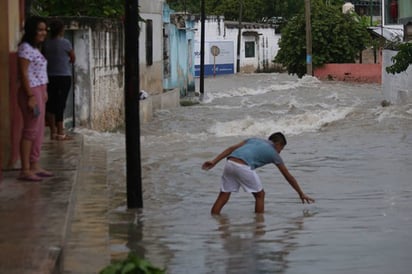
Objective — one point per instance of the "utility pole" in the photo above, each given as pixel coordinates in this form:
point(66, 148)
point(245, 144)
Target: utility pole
point(371, 11)
point(239, 35)
point(202, 48)
point(308, 39)
point(131, 94)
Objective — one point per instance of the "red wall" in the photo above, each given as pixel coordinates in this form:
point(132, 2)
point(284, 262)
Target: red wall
point(363, 73)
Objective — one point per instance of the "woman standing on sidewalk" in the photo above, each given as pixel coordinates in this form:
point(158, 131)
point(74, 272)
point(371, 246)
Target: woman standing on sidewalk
point(60, 55)
point(32, 97)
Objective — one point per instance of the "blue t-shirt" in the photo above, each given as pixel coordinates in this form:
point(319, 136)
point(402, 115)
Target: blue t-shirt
point(257, 152)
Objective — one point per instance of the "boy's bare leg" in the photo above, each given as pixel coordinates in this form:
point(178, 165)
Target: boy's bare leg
point(220, 202)
point(259, 201)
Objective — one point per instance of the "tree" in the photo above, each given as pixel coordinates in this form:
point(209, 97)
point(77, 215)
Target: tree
point(253, 11)
point(336, 38)
point(94, 8)
point(402, 59)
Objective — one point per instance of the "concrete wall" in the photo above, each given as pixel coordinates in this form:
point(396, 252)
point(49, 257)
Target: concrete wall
point(167, 100)
point(151, 76)
point(363, 73)
point(396, 88)
point(98, 72)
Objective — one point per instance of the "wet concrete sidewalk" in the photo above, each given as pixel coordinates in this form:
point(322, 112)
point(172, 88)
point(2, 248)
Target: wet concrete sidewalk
point(60, 224)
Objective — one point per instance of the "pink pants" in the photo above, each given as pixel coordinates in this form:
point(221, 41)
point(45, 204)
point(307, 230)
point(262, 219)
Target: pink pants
point(33, 127)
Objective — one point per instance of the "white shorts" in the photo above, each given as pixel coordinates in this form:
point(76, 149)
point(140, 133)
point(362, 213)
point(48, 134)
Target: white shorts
point(236, 175)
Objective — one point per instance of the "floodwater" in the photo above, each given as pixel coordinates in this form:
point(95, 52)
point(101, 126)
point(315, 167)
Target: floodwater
point(347, 151)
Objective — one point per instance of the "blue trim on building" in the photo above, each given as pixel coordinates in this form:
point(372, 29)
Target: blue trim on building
point(218, 69)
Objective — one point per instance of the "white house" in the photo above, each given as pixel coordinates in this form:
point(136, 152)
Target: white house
point(258, 46)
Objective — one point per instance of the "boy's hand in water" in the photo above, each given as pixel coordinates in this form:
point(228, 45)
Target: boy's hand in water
point(208, 165)
point(307, 199)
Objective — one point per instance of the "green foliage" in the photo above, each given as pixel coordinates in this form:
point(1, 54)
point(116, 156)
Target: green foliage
point(253, 10)
point(336, 38)
point(132, 265)
point(292, 53)
point(402, 59)
point(93, 8)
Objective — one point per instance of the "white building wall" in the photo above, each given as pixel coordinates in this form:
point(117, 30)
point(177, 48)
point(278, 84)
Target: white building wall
point(266, 43)
point(99, 75)
point(157, 37)
point(151, 76)
point(150, 6)
point(397, 88)
point(249, 63)
point(82, 77)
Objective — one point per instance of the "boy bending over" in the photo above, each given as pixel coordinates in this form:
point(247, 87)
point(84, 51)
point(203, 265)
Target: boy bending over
point(239, 171)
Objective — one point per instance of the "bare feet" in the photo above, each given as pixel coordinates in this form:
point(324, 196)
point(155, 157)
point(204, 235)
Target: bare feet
point(61, 137)
point(29, 176)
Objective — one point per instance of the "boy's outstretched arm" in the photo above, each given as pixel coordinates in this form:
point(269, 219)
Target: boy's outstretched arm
point(210, 164)
point(292, 181)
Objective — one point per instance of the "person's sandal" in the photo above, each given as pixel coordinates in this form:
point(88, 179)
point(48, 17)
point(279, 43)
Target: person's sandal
point(44, 174)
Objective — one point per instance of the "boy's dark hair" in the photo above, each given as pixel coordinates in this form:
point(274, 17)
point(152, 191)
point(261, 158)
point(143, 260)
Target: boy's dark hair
point(30, 29)
point(278, 137)
point(56, 27)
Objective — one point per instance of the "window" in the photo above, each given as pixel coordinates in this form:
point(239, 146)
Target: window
point(149, 42)
point(250, 49)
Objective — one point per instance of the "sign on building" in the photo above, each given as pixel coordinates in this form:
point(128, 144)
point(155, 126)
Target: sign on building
point(219, 58)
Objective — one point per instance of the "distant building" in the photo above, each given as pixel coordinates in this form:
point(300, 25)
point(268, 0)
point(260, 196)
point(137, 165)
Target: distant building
point(257, 50)
point(390, 12)
point(371, 9)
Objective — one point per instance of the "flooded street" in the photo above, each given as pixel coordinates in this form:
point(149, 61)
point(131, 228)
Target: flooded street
point(347, 151)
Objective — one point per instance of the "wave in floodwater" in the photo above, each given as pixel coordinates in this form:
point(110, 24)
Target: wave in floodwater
point(260, 104)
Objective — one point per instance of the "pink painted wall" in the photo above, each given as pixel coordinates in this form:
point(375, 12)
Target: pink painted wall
point(363, 73)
